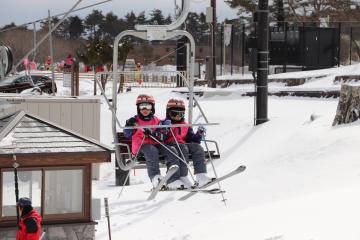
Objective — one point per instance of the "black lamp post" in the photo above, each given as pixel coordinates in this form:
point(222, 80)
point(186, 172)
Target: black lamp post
point(262, 62)
point(213, 46)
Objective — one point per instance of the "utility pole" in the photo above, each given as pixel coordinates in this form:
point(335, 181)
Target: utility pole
point(181, 64)
point(51, 56)
point(262, 62)
point(213, 45)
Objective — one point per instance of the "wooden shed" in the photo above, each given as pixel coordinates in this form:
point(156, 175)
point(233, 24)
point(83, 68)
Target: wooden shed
point(79, 114)
point(54, 171)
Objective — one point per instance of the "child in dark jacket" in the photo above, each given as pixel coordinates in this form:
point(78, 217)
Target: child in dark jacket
point(142, 139)
point(189, 143)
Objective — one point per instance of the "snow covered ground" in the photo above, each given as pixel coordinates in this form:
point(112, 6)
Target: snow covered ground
point(317, 80)
point(301, 183)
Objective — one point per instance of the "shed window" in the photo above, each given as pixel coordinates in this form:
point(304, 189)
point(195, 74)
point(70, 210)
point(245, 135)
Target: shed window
point(63, 191)
point(57, 193)
point(29, 186)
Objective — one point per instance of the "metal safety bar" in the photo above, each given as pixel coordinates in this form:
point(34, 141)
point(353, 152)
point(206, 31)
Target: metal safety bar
point(170, 126)
point(132, 162)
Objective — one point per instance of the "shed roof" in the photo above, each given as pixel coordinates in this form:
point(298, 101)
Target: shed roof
point(23, 133)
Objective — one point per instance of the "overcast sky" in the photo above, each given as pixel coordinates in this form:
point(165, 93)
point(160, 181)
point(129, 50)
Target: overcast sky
point(23, 11)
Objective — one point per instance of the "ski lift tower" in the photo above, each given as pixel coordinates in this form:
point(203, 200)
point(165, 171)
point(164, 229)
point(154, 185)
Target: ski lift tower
point(152, 33)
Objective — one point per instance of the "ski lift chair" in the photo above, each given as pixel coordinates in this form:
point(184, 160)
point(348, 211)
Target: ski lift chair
point(125, 152)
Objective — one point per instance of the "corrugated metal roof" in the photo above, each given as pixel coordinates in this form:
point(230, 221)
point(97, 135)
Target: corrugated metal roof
point(24, 133)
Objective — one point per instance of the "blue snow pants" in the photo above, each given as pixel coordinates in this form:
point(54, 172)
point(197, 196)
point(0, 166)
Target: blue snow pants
point(198, 157)
point(151, 154)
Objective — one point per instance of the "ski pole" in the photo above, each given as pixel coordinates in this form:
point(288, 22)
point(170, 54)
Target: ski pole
point(128, 174)
point(182, 154)
point(107, 215)
point(154, 138)
point(212, 164)
point(122, 187)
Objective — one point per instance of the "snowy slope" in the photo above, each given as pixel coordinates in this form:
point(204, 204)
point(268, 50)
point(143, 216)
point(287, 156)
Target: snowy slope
point(301, 182)
point(317, 80)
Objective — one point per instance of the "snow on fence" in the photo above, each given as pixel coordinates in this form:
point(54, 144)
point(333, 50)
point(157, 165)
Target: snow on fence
point(145, 79)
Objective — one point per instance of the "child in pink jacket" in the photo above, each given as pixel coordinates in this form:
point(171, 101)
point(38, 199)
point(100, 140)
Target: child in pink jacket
point(143, 140)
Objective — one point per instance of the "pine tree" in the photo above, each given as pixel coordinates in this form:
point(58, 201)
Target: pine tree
point(193, 26)
point(93, 21)
point(44, 25)
point(141, 18)
point(109, 26)
point(131, 20)
point(76, 27)
point(156, 17)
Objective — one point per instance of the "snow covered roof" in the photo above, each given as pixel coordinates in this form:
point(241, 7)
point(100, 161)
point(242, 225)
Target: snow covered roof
point(22, 133)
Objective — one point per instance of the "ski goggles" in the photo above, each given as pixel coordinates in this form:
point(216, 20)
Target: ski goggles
point(146, 106)
point(177, 113)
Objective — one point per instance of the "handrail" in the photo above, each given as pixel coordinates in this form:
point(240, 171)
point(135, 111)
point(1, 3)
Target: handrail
point(216, 145)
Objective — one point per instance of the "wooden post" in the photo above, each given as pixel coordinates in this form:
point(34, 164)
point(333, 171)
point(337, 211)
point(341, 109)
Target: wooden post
point(348, 109)
point(93, 69)
point(75, 79)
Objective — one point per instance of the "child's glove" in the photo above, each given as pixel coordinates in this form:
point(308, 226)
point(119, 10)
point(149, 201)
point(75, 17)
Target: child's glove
point(166, 122)
point(147, 132)
point(159, 136)
point(201, 131)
